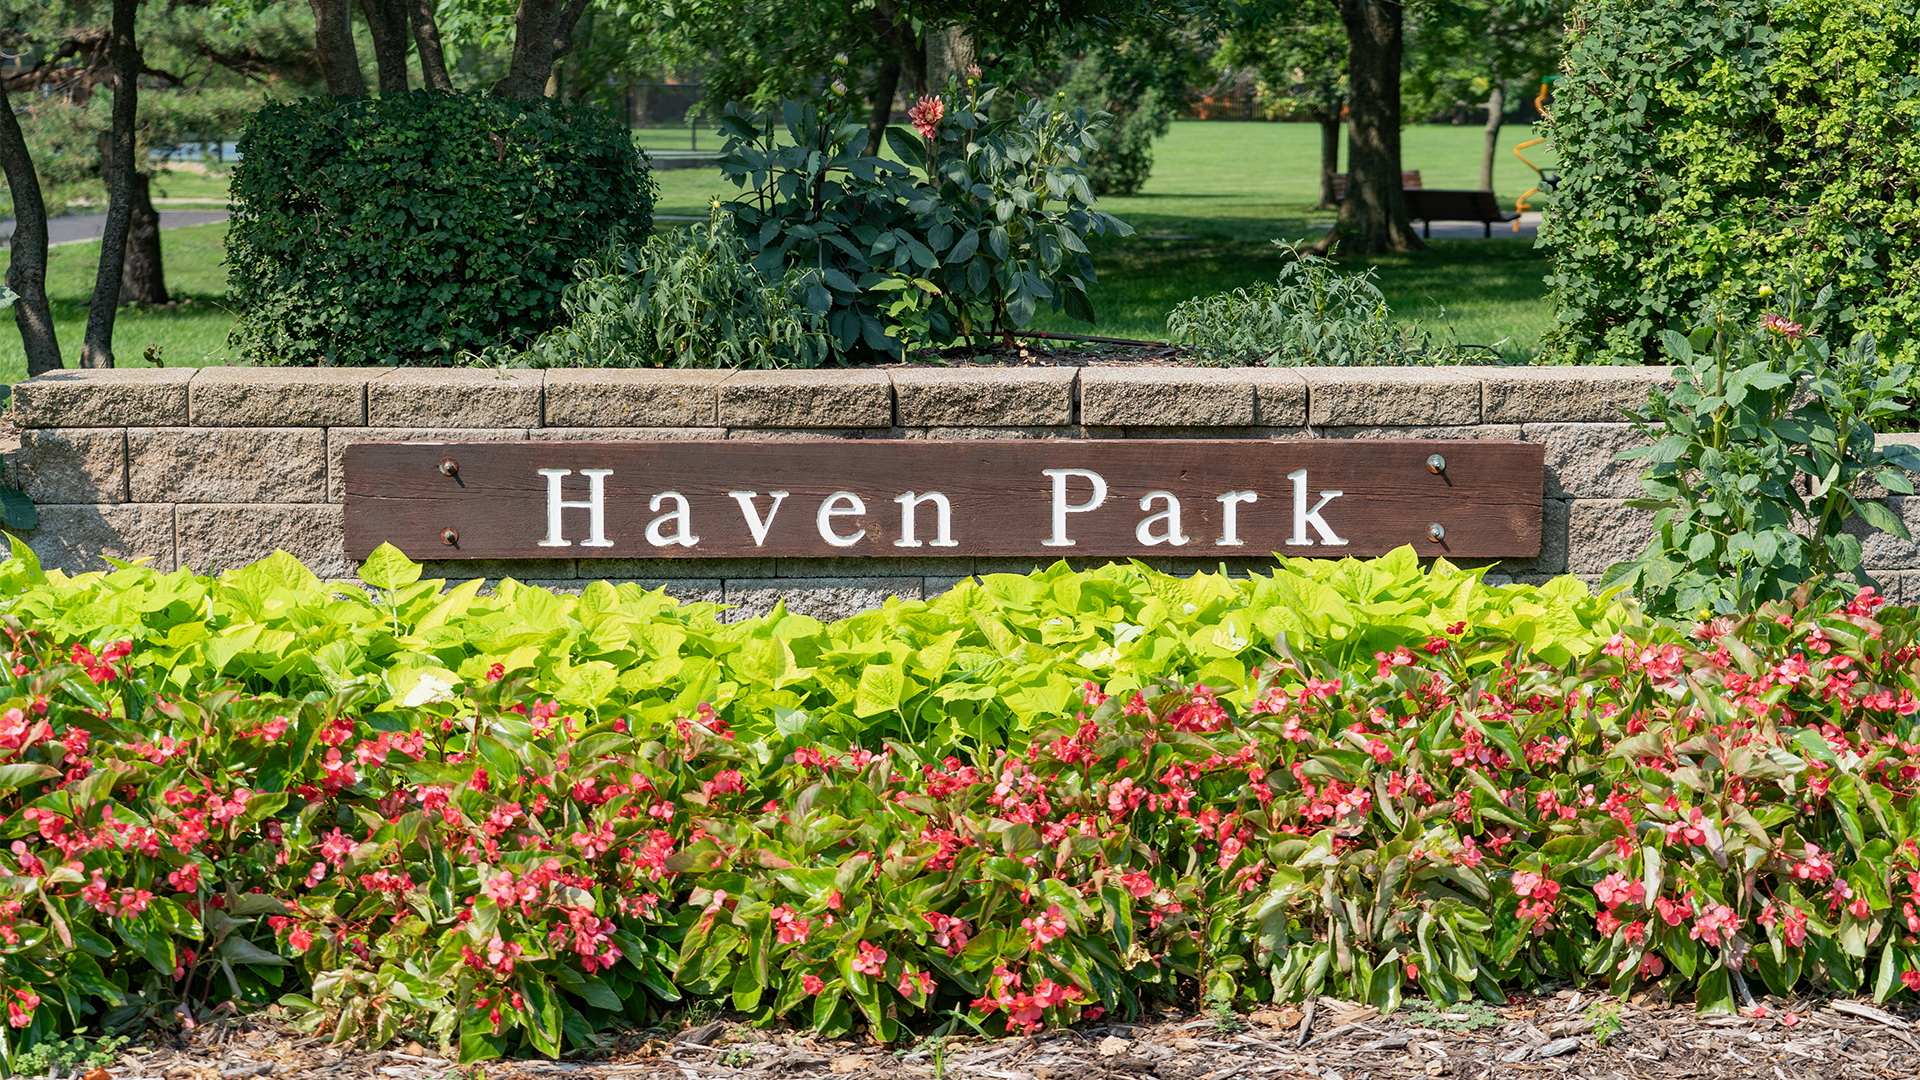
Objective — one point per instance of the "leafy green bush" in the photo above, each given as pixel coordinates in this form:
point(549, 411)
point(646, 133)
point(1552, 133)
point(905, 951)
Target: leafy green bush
point(682, 298)
point(1312, 315)
point(1758, 457)
point(960, 238)
point(1710, 148)
point(406, 229)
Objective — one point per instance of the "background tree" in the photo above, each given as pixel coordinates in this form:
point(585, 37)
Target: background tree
point(1481, 51)
point(1373, 216)
point(1300, 59)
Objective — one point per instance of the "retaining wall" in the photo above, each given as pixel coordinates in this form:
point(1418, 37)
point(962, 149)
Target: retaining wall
point(214, 468)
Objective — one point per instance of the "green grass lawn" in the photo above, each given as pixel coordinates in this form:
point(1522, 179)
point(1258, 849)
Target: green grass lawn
point(1220, 192)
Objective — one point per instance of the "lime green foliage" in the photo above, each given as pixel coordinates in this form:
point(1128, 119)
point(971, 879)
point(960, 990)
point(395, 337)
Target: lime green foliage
point(1715, 147)
point(683, 298)
point(1466, 1015)
point(1311, 315)
point(408, 228)
point(78, 1052)
point(1605, 1017)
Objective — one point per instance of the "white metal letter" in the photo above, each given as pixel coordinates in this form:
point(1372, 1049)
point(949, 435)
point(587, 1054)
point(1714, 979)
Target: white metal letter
point(1171, 515)
point(829, 508)
point(1061, 508)
point(943, 530)
point(754, 525)
point(1230, 516)
point(682, 513)
point(1302, 517)
point(596, 507)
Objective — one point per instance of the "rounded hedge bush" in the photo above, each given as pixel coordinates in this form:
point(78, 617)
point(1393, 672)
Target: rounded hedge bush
point(405, 229)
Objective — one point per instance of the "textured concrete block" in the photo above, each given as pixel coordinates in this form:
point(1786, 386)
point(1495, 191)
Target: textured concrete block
point(1279, 397)
point(279, 396)
point(825, 599)
point(1601, 532)
point(633, 434)
point(983, 397)
point(1166, 397)
point(338, 440)
point(1581, 463)
point(1899, 586)
point(934, 586)
point(522, 570)
point(674, 569)
point(227, 465)
point(806, 399)
point(103, 397)
point(1584, 395)
point(1200, 432)
point(685, 590)
point(633, 397)
point(71, 465)
point(1384, 396)
point(79, 539)
point(215, 539)
point(1507, 432)
point(1059, 432)
point(1884, 551)
point(846, 567)
point(1868, 487)
point(1555, 519)
point(455, 397)
point(809, 434)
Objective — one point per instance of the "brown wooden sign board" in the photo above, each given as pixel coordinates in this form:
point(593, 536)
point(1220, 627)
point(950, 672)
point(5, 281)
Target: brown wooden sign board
point(1041, 498)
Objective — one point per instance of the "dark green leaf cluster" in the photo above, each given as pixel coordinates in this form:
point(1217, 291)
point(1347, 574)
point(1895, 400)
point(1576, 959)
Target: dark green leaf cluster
point(1312, 315)
point(1761, 460)
point(1713, 147)
point(953, 237)
point(683, 298)
point(408, 229)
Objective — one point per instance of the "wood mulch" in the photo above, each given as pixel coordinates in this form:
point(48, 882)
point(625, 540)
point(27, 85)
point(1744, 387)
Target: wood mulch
point(1567, 1034)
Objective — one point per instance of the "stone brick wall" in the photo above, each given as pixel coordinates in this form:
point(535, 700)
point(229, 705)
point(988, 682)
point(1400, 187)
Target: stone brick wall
point(214, 468)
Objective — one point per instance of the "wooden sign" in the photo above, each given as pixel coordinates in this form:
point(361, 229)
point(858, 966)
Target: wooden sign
point(1041, 498)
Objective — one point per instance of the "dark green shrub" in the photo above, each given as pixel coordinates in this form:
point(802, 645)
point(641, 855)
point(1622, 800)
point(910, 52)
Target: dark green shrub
point(1711, 147)
point(1124, 159)
point(683, 298)
point(409, 228)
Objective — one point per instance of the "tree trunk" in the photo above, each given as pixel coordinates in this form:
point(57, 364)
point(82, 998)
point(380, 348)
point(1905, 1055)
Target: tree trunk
point(387, 24)
point(1496, 106)
point(27, 273)
point(1373, 218)
point(950, 57)
point(426, 38)
point(142, 278)
point(96, 350)
point(887, 84)
point(333, 40)
point(542, 33)
point(1329, 160)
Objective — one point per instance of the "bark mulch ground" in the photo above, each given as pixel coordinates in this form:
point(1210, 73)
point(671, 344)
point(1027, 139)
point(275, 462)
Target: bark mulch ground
point(1550, 1036)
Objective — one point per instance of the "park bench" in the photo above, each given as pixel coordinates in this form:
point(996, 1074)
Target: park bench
point(1408, 179)
point(1428, 205)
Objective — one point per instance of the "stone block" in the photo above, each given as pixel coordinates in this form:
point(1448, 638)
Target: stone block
point(521, 570)
point(79, 539)
point(71, 465)
point(279, 396)
point(1555, 517)
point(1058, 432)
point(1601, 532)
point(1899, 586)
point(338, 439)
point(1379, 396)
point(675, 569)
point(1581, 464)
point(806, 399)
point(214, 539)
point(1201, 432)
point(103, 397)
point(633, 397)
point(1279, 397)
point(1578, 395)
point(1166, 397)
point(685, 590)
point(842, 567)
point(1884, 551)
point(933, 586)
point(983, 397)
point(227, 465)
point(825, 599)
point(1497, 432)
point(631, 434)
point(1868, 487)
point(813, 434)
point(455, 398)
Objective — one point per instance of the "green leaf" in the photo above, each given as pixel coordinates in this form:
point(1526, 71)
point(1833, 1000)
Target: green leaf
point(386, 568)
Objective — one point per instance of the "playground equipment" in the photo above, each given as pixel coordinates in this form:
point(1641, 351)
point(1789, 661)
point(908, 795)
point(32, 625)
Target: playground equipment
point(1549, 181)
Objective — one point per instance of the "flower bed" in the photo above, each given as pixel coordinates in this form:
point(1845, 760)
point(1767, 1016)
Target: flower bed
point(508, 823)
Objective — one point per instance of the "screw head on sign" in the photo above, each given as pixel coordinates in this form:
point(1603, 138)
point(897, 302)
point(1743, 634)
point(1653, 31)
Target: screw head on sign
point(1436, 464)
point(448, 466)
point(453, 538)
point(1435, 533)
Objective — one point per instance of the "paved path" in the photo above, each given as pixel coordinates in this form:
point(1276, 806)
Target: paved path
point(80, 228)
point(1474, 230)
